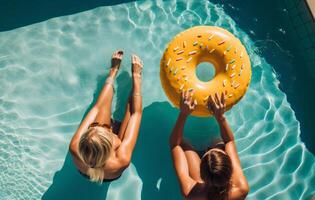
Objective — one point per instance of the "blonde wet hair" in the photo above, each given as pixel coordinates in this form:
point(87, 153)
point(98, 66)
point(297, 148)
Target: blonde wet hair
point(95, 147)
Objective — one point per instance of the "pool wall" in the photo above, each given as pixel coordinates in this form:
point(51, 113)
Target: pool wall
point(302, 31)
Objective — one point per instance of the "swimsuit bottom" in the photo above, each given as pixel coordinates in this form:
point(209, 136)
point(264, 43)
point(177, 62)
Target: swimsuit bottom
point(104, 180)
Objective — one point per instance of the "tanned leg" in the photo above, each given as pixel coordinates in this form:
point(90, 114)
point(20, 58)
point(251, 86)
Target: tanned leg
point(105, 98)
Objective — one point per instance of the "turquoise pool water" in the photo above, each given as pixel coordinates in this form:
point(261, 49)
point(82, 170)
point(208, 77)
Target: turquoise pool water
point(51, 71)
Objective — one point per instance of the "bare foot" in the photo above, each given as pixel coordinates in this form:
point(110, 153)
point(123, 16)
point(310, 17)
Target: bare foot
point(116, 60)
point(136, 65)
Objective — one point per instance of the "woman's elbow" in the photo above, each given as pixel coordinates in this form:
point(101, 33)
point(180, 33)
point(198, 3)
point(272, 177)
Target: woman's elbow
point(244, 189)
point(185, 194)
point(73, 148)
point(185, 191)
point(172, 142)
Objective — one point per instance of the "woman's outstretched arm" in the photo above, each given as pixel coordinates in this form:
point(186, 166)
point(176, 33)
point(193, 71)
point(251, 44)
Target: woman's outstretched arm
point(130, 135)
point(217, 105)
point(179, 159)
point(240, 186)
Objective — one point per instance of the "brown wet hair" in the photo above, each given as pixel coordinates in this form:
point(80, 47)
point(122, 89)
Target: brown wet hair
point(216, 172)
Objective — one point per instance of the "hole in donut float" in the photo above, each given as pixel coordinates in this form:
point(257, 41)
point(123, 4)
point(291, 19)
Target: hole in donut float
point(205, 71)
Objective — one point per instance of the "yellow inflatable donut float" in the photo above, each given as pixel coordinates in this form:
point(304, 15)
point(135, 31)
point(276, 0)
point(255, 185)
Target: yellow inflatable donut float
point(205, 44)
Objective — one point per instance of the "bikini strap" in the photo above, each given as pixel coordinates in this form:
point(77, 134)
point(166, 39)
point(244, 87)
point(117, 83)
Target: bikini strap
point(94, 124)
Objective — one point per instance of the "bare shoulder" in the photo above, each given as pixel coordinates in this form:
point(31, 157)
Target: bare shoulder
point(115, 166)
point(122, 158)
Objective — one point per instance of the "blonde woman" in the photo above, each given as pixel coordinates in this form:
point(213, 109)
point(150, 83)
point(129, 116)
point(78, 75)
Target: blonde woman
point(99, 153)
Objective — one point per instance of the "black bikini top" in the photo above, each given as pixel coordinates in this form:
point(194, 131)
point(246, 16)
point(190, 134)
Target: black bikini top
point(94, 124)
